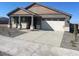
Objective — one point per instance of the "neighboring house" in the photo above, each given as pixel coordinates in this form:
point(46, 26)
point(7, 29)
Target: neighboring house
point(4, 22)
point(37, 16)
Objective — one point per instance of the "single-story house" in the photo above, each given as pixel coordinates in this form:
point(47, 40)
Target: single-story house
point(37, 16)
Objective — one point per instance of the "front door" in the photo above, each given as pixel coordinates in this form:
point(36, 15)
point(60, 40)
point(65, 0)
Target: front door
point(37, 22)
point(28, 22)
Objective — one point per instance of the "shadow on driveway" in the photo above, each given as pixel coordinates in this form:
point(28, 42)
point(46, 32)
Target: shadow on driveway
point(4, 54)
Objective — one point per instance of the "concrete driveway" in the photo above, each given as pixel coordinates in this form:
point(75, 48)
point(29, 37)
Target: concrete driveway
point(35, 43)
point(43, 37)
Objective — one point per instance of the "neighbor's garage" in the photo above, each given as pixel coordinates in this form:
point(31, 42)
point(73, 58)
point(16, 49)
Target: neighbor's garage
point(56, 24)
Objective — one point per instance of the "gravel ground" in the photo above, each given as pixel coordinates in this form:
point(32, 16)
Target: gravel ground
point(10, 32)
point(66, 41)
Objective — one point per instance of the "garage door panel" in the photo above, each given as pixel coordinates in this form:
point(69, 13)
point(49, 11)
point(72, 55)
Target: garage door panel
point(46, 26)
point(53, 25)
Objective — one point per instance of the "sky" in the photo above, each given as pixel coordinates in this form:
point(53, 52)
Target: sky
point(68, 7)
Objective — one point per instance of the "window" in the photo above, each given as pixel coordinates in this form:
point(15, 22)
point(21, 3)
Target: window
point(24, 19)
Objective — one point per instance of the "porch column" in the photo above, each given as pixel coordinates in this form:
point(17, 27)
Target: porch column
point(10, 22)
point(25, 21)
point(20, 22)
point(32, 25)
point(16, 23)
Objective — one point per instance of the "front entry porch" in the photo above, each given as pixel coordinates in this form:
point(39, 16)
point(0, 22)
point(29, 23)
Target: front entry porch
point(31, 22)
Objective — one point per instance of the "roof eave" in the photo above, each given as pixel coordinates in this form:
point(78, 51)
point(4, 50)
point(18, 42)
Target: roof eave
point(21, 9)
point(12, 11)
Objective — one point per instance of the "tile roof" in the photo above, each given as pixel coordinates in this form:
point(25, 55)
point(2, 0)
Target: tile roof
point(36, 9)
